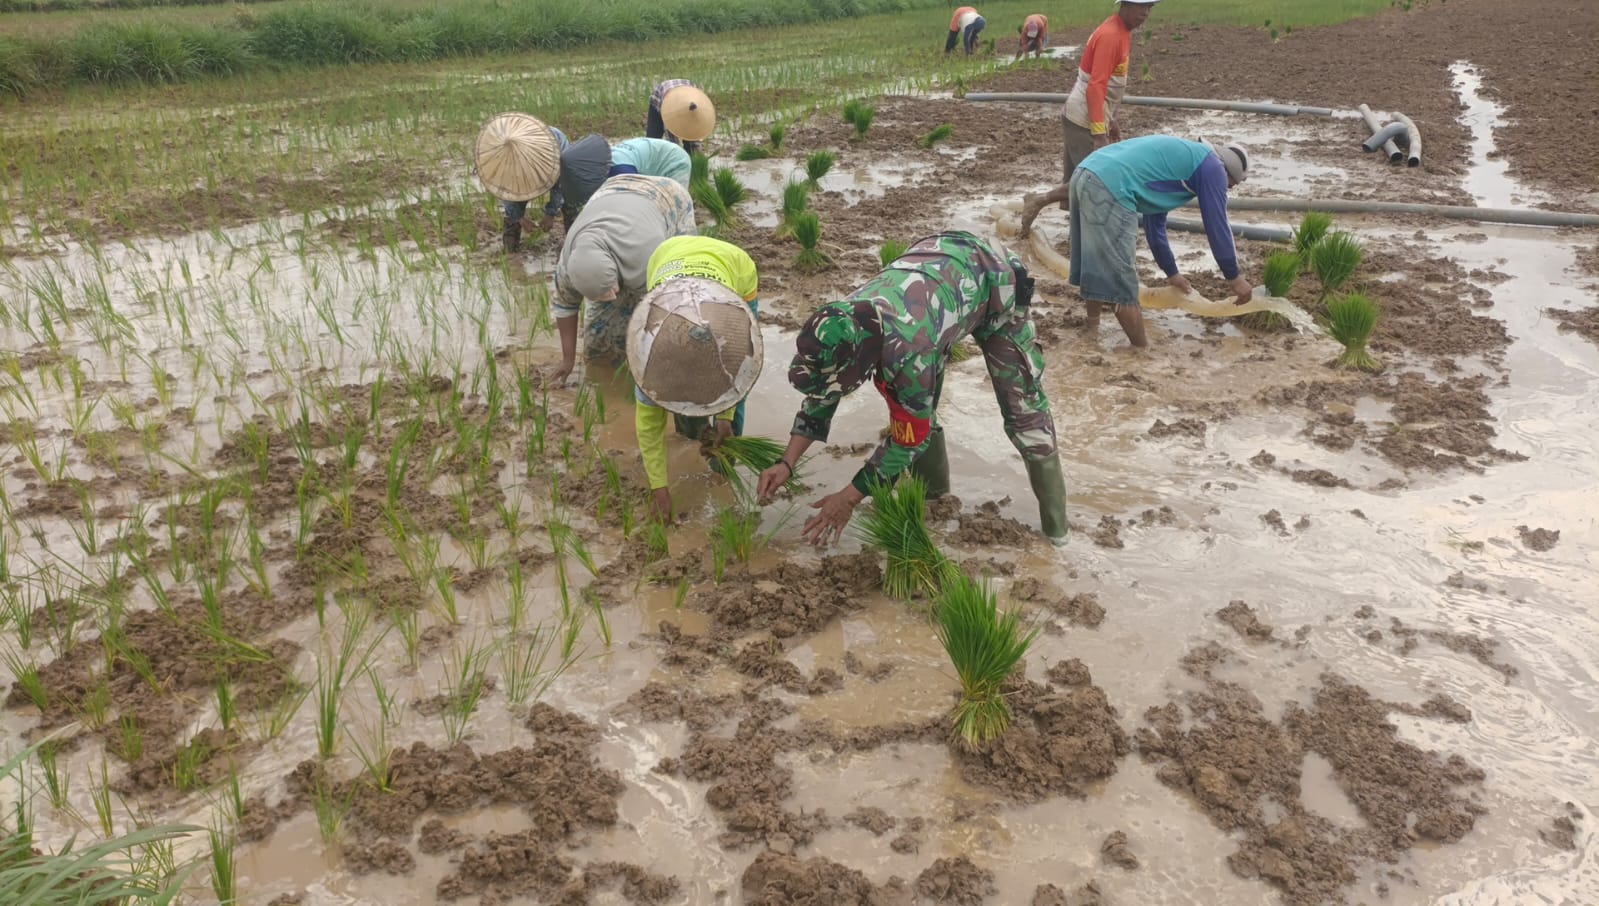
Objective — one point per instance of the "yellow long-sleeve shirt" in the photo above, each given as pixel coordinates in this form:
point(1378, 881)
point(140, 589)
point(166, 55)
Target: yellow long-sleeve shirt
point(687, 256)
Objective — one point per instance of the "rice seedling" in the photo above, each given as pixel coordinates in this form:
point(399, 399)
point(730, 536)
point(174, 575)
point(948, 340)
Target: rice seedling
point(26, 677)
point(851, 110)
point(55, 783)
point(1350, 320)
point(729, 456)
point(890, 250)
point(731, 190)
point(1312, 227)
point(227, 709)
point(896, 524)
point(464, 684)
point(523, 660)
point(186, 767)
point(100, 795)
point(735, 537)
point(939, 133)
point(807, 229)
point(348, 660)
point(817, 165)
point(796, 196)
point(656, 541)
point(985, 646)
point(330, 807)
point(1281, 271)
point(775, 135)
point(1335, 259)
point(699, 167)
point(753, 152)
point(863, 121)
point(224, 877)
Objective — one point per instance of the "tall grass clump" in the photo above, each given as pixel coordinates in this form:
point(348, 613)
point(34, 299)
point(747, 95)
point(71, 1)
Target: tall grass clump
point(796, 197)
point(1312, 227)
point(863, 121)
point(775, 134)
point(807, 229)
point(937, 135)
point(985, 646)
point(896, 524)
point(719, 196)
point(753, 152)
point(890, 250)
point(1281, 272)
point(1350, 320)
point(1335, 259)
point(817, 165)
point(851, 110)
point(699, 167)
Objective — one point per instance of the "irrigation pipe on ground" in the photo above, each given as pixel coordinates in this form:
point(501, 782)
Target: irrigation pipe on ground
point(1518, 216)
point(1191, 103)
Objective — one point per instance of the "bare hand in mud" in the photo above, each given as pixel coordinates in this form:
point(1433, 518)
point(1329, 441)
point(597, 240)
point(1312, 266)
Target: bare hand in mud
point(528, 226)
point(1242, 290)
point(661, 505)
point(547, 224)
point(561, 375)
point(828, 525)
point(1180, 283)
point(772, 481)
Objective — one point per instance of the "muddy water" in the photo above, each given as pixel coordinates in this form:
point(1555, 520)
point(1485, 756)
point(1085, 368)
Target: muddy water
point(1537, 736)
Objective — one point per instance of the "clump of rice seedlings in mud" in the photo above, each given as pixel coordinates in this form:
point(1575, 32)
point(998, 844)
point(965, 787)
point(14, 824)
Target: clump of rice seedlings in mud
point(852, 109)
point(890, 250)
point(753, 152)
point(735, 537)
point(721, 195)
point(937, 135)
point(699, 167)
point(1312, 227)
point(863, 121)
point(817, 165)
point(1335, 259)
point(1350, 320)
point(985, 646)
point(796, 197)
point(776, 134)
point(896, 524)
point(807, 229)
point(1281, 271)
point(729, 455)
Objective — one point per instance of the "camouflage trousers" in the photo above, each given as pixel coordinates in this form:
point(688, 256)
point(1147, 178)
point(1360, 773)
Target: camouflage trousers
point(1016, 369)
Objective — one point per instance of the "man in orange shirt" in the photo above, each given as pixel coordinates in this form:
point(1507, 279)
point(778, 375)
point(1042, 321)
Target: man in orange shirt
point(1035, 35)
point(1089, 117)
point(964, 26)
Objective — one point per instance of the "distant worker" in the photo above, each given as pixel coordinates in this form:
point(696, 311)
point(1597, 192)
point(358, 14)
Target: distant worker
point(1148, 176)
point(1088, 118)
point(1035, 36)
point(680, 113)
point(896, 332)
point(692, 349)
point(605, 261)
point(964, 27)
point(588, 162)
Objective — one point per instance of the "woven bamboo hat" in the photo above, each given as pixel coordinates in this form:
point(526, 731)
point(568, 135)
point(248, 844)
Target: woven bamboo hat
point(694, 346)
point(517, 157)
point(688, 113)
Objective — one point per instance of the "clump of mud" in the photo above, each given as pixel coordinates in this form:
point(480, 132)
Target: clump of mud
point(1540, 540)
point(1243, 620)
point(1081, 609)
point(792, 598)
point(1562, 830)
point(778, 879)
point(1182, 427)
point(956, 881)
point(1244, 772)
point(986, 527)
point(1086, 895)
point(1114, 851)
point(1477, 647)
point(1584, 322)
point(1108, 533)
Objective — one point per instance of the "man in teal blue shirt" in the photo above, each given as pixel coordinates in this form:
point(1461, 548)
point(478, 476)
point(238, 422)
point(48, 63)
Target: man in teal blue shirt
point(1148, 176)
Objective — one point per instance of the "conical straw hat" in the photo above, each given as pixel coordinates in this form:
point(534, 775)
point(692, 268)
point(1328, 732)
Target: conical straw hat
point(517, 157)
point(694, 346)
point(688, 113)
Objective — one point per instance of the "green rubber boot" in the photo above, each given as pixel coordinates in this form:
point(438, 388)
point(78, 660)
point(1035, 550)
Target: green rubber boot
point(1050, 489)
point(932, 467)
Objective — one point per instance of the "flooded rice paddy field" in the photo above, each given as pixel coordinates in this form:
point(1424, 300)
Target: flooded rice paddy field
point(279, 506)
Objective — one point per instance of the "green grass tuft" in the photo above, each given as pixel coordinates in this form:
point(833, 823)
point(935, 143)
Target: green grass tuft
point(807, 230)
point(1282, 269)
point(1312, 227)
point(896, 524)
point(775, 134)
point(796, 197)
point(817, 165)
point(852, 108)
point(1350, 320)
point(863, 120)
point(1335, 259)
point(753, 152)
point(985, 646)
point(936, 136)
point(699, 167)
point(889, 250)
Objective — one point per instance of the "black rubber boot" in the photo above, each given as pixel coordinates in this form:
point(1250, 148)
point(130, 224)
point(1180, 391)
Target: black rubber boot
point(932, 467)
point(1049, 486)
point(512, 237)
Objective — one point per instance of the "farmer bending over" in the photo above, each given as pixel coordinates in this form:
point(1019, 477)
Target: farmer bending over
point(896, 331)
point(516, 219)
point(1035, 36)
point(1150, 176)
point(605, 261)
point(1088, 118)
point(693, 351)
point(587, 163)
point(680, 113)
point(964, 27)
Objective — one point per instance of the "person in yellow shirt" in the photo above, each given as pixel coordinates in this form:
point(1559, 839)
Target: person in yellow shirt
point(732, 274)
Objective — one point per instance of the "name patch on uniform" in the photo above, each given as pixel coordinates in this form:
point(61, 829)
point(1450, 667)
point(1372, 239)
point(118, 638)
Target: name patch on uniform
point(904, 428)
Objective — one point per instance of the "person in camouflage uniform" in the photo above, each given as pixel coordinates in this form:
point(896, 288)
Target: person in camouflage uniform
point(897, 331)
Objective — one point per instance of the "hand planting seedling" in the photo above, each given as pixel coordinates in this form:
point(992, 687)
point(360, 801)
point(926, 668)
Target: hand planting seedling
point(1350, 321)
point(896, 524)
point(985, 646)
point(729, 455)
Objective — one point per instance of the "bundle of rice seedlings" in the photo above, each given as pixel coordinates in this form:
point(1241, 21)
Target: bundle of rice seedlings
point(961, 351)
point(1350, 320)
point(1265, 321)
point(776, 135)
point(796, 196)
point(1282, 269)
point(807, 229)
point(817, 165)
point(753, 152)
point(852, 107)
point(707, 198)
point(937, 135)
point(1312, 227)
point(985, 646)
point(863, 120)
point(729, 455)
point(890, 250)
point(700, 167)
point(896, 524)
point(1335, 259)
